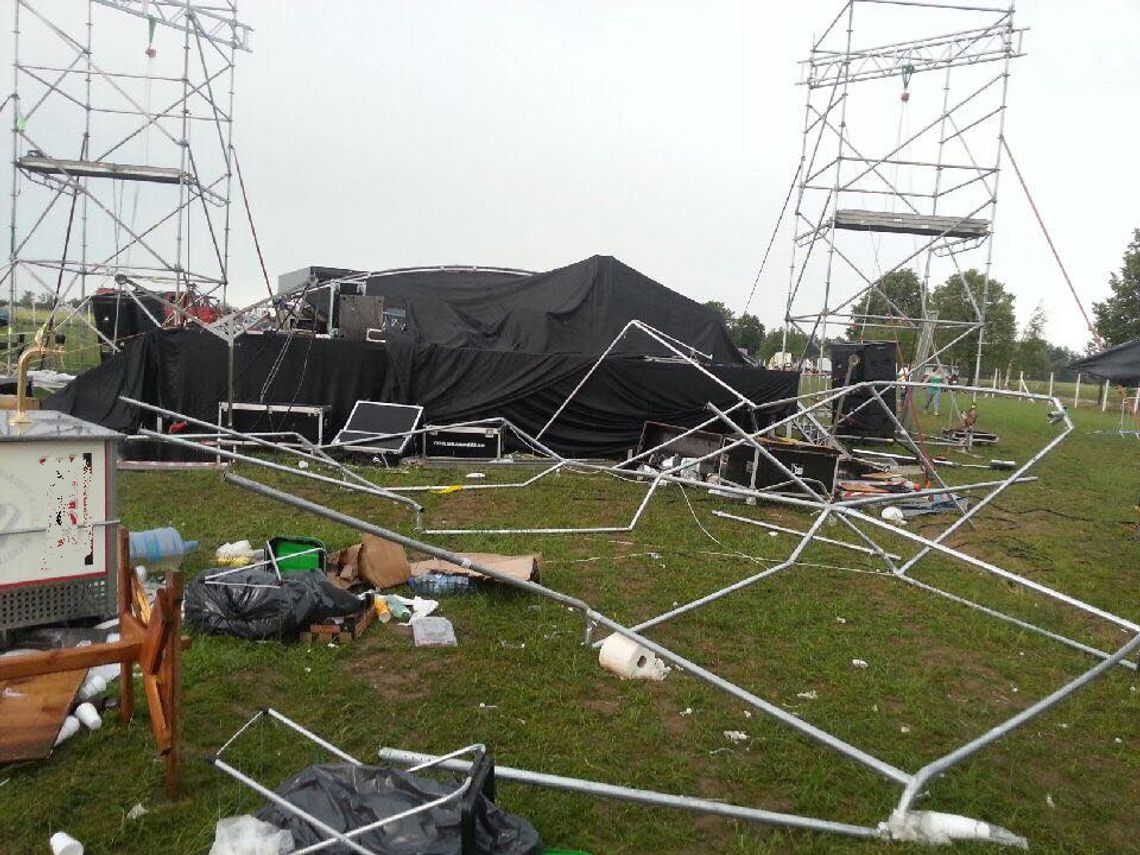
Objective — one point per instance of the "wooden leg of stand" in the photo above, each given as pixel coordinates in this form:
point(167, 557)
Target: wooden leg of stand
point(125, 585)
point(171, 683)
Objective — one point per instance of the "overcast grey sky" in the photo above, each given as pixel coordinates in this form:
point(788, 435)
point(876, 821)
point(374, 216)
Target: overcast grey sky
point(387, 133)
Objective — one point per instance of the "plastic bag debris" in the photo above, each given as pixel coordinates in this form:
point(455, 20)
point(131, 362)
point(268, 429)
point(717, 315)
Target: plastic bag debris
point(434, 632)
point(255, 604)
point(248, 835)
point(346, 796)
point(927, 826)
point(736, 736)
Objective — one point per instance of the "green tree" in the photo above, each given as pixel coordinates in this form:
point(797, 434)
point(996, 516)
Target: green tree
point(725, 312)
point(1118, 317)
point(748, 332)
point(949, 300)
point(1032, 349)
point(903, 289)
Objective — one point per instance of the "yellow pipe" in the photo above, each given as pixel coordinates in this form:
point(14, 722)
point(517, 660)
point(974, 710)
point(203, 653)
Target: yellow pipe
point(36, 349)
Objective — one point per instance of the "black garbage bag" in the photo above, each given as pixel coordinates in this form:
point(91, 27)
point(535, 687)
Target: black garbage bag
point(346, 797)
point(254, 604)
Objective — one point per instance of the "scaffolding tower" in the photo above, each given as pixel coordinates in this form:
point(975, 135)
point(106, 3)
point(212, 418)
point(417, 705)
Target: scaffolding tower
point(121, 116)
point(894, 176)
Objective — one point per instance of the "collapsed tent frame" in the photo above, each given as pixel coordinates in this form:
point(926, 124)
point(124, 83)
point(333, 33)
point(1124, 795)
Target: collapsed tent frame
point(904, 820)
point(903, 817)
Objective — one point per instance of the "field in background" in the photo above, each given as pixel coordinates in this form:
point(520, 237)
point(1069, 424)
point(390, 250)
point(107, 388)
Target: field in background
point(521, 681)
point(80, 349)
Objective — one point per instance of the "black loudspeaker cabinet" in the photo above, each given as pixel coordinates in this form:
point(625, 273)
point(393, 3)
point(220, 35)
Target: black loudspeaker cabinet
point(815, 464)
point(861, 415)
point(695, 444)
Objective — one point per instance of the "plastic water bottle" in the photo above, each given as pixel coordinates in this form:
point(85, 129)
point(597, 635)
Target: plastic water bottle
point(441, 584)
point(161, 547)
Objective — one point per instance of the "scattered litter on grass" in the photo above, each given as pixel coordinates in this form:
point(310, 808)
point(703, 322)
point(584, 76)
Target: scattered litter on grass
point(433, 632)
point(808, 696)
point(484, 706)
point(238, 835)
point(773, 534)
point(504, 643)
point(736, 736)
point(874, 707)
point(858, 663)
point(476, 475)
point(687, 711)
point(63, 843)
point(629, 660)
point(748, 713)
point(137, 811)
point(308, 670)
point(1118, 740)
point(904, 729)
point(1049, 800)
point(301, 464)
point(840, 619)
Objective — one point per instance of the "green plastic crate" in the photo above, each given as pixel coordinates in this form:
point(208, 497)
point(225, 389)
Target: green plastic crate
point(285, 548)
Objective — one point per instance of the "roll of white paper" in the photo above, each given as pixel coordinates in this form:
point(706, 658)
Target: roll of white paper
point(626, 658)
point(90, 717)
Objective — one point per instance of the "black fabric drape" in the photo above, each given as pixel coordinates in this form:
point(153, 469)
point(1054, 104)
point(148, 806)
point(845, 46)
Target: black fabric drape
point(186, 371)
point(1120, 364)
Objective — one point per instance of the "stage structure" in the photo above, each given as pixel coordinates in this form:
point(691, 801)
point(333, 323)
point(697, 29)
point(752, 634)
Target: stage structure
point(123, 163)
point(900, 161)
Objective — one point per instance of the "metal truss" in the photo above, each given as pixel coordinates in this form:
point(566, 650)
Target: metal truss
point(867, 205)
point(122, 157)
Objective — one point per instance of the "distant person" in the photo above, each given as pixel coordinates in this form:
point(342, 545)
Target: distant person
point(934, 384)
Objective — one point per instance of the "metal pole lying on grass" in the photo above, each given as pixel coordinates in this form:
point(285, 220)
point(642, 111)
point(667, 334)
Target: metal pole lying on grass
point(882, 767)
point(646, 797)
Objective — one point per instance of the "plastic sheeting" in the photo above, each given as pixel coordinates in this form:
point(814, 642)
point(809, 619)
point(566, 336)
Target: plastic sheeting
point(252, 604)
point(346, 797)
point(579, 308)
point(186, 371)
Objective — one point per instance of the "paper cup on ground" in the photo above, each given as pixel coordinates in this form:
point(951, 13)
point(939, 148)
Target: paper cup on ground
point(69, 729)
point(94, 685)
point(90, 717)
point(63, 843)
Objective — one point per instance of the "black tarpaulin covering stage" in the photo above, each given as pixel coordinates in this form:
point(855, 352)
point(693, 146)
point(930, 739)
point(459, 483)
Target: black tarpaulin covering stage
point(579, 308)
point(1120, 364)
point(186, 371)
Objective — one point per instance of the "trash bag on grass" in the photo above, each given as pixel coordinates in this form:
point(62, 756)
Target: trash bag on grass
point(347, 797)
point(255, 604)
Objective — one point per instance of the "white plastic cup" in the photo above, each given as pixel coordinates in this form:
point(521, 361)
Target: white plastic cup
point(92, 687)
point(69, 729)
point(90, 717)
point(63, 843)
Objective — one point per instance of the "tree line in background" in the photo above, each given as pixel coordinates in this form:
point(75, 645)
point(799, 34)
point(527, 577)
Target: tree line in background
point(899, 293)
point(875, 317)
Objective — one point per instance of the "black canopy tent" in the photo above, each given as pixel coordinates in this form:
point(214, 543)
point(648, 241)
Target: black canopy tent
point(1119, 365)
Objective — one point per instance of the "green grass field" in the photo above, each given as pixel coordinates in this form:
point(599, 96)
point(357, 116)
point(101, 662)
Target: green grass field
point(80, 349)
point(521, 681)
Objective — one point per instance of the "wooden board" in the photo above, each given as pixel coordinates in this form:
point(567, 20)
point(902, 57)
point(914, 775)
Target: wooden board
point(32, 710)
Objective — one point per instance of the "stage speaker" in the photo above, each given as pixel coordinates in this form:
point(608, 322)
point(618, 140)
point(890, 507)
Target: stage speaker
point(857, 362)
